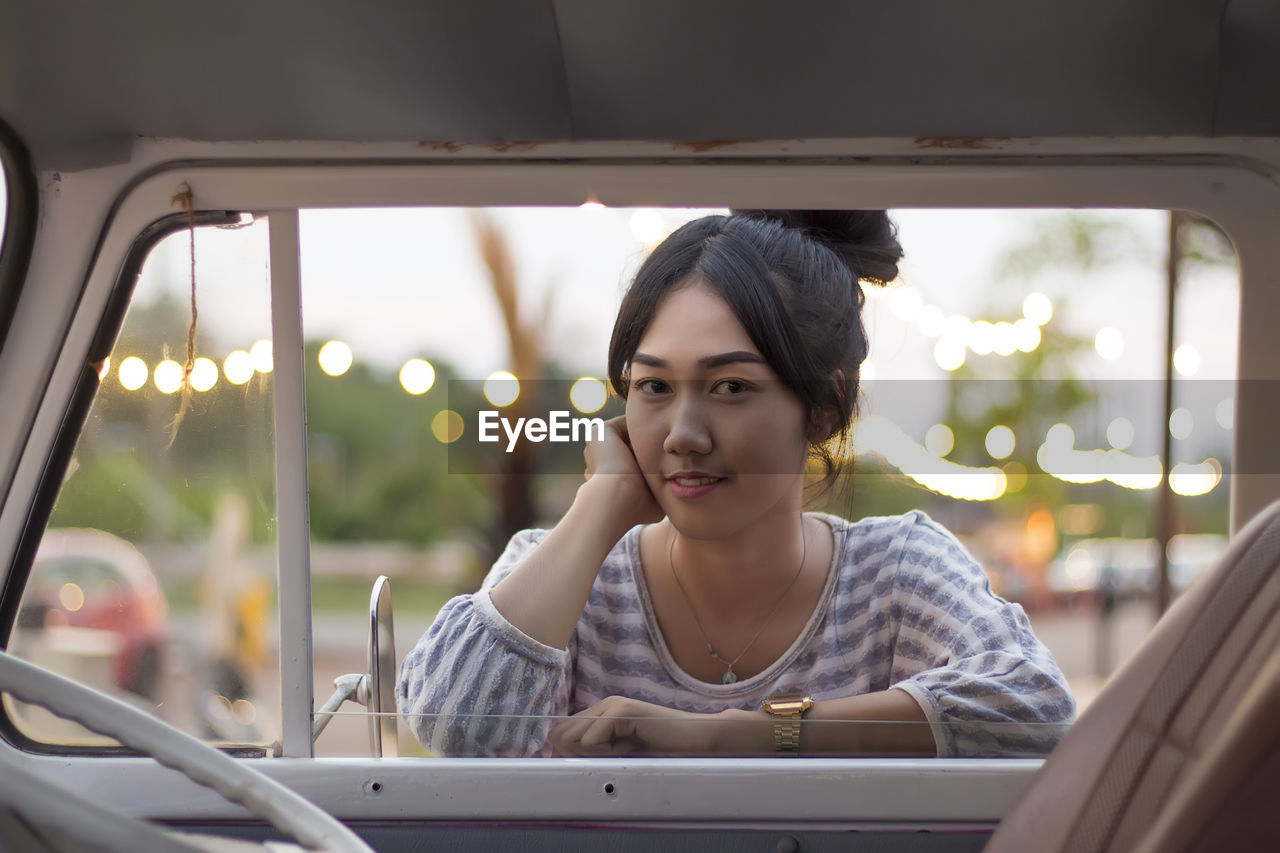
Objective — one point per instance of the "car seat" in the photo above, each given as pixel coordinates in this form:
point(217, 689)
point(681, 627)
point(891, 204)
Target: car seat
point(1181, 749)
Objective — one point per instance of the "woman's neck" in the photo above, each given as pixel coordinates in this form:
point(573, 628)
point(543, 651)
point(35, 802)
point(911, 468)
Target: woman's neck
point(737, 575)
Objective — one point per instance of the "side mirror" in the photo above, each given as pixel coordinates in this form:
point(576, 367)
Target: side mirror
point(382, 672)
point(375, 688)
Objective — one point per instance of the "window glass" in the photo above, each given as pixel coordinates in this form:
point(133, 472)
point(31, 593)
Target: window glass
point(155, 580)
point(1014, 392)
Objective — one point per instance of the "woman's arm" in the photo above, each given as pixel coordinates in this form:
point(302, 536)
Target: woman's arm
point(473, 684)
point(544, 595)
point(852, 726)
point(494, 665)
point(968, 657)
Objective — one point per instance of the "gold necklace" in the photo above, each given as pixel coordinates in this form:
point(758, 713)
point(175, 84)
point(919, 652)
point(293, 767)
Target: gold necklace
point(730, 676)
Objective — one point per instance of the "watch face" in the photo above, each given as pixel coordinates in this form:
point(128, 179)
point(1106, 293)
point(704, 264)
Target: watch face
point(788, 703)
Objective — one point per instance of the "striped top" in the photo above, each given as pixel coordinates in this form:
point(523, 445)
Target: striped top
point(904, 606)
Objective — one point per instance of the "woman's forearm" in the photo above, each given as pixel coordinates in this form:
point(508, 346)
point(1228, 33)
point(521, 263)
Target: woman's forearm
point(853, 725)
point(545, 594)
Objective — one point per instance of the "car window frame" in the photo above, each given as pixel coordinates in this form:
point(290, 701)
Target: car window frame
point(1000, 182)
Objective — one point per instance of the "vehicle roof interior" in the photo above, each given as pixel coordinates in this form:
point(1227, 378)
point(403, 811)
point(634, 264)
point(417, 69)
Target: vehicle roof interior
point(79, 81)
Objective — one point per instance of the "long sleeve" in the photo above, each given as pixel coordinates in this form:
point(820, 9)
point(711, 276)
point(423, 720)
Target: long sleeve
point(475, 684)
point(969, 657)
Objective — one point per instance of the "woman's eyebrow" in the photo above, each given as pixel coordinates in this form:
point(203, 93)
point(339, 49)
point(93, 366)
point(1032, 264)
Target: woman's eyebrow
point(705, 363)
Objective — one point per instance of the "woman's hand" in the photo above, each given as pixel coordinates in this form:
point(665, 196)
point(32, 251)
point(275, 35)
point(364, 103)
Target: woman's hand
point(621, 726)
point(614, 474)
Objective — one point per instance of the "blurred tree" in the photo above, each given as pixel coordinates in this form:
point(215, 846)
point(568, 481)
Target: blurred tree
point(511, 475)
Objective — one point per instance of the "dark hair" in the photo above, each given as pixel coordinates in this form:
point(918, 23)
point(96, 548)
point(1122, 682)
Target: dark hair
point(792, 278)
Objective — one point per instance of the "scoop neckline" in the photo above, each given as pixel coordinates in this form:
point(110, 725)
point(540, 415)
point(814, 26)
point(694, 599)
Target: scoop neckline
point(768, 674)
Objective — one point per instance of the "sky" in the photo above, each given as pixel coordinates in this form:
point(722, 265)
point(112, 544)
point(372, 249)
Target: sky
point(401, 283)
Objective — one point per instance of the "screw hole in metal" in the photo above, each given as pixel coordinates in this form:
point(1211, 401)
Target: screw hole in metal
point(609, 789)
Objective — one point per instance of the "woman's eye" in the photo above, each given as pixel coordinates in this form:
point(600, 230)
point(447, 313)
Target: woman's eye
point(731, 387)
point(650, 386)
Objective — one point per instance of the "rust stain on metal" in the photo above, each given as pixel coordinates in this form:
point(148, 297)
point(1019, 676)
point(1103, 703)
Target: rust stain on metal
point(501, 147)
point(513, 146)
point(969, 142)
point(701, 145)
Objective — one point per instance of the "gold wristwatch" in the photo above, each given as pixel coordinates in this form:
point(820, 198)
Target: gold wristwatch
point(787, 709)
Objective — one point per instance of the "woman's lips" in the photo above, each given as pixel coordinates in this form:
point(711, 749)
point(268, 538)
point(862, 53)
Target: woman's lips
point(693, 485)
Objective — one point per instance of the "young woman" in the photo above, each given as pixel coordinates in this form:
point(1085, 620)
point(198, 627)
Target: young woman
point(685, 603)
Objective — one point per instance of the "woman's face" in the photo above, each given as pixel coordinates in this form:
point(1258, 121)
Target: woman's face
point(718, 436)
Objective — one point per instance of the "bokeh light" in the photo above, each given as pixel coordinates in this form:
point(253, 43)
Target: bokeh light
point(168, 376)
point(1181, 424)
point(1037, 308)
point(1000, 442)
point(446, 426)
point(1189, 480)
point(261, 352)
point(939, 440)
point(238, 367)
point(588, 395)
point(1004, 339)
point(949, 353)
point(204, 374)
point(1060, 435)
point(71, 597)
point(133, 373)
point(417, 376)
point(648, 226)
point(981, 337)
point(501, 388)
point(1026, 335)
point(1120, 433)
point(1186, 360)
point(1015, 476)
point(1225, 413)
point(243, 712)
point(335, 358)
point(1109, 343)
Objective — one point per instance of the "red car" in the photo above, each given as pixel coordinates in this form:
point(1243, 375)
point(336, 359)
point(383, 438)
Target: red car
point(91, 579)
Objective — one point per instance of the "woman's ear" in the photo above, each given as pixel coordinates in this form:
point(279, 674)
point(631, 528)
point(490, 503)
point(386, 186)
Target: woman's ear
point(823, 425)
point(825, 418)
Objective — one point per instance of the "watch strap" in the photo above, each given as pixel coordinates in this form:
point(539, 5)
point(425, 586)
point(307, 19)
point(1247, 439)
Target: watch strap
point(787, 710)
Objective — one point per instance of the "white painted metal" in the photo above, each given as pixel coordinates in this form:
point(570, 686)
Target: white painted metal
point(728, 791)
point(293, 546)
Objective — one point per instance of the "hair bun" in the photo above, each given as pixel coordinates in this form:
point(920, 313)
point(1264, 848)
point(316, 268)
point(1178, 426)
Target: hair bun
point(866, 240)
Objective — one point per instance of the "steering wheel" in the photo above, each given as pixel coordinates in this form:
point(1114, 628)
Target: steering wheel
point(235, 780)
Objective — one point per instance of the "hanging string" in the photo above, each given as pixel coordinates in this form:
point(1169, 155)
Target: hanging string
point(186, 200)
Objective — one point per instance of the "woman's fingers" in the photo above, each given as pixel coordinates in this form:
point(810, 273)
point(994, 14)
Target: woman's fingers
point(617, 726)
point(593, 731)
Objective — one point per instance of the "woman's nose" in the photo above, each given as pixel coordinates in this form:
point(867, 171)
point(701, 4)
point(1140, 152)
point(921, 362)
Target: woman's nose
point(689, 431)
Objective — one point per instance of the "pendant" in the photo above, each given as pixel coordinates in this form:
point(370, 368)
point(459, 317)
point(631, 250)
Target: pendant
point(729, 677)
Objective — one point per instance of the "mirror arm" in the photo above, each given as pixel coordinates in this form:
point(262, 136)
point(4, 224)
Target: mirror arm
point(354, 686)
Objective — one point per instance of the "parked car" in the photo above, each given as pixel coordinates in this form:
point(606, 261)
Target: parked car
point(1126, 568)
point(91, 579)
